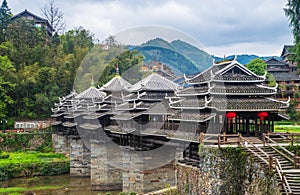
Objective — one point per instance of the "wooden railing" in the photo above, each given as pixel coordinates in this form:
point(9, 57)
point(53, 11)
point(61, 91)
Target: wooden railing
point(285, 185)
point(267, 140)
point(290, 138)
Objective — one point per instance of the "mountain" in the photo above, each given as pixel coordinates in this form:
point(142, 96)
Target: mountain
point(178, 55)
point(184, 58)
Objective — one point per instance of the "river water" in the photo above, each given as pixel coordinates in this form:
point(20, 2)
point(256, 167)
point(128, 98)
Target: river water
point(70, 186)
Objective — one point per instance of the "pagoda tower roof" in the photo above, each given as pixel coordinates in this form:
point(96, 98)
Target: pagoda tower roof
point(155, 82)
point(228, 71)
point(91, 93)
point(116, 84)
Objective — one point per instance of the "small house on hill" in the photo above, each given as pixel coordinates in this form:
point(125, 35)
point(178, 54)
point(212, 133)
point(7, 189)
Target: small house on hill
point(38, 21)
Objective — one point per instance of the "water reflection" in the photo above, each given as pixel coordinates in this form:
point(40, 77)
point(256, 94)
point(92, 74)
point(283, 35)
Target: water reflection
point(70, 186)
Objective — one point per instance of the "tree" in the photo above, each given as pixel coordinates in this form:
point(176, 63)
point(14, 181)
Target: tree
point(292, 11)
point(55, 17)
point(6, 87)
point(258, 66)
point(5, 15)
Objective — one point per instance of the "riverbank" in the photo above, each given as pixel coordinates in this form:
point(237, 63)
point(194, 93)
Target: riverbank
point(58, 184)
point(32, 163)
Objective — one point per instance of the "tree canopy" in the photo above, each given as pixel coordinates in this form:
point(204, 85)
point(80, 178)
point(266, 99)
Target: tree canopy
point(36, 69)
point(258, 66)
point(292, 11)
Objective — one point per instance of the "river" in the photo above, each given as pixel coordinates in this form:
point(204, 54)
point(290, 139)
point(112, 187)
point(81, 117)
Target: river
point(69, 186)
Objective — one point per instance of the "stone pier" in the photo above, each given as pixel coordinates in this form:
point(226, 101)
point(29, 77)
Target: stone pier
point(104, 176)
point(137, 178)
point(61, 144)
point(80, 159)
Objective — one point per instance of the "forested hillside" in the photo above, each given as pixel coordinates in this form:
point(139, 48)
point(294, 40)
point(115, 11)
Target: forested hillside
point(36, 69)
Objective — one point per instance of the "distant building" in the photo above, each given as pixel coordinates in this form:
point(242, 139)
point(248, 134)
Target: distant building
point(285, 73)
point(160, 69)
point(28, 125)
point(288, 56)
point(39, 21)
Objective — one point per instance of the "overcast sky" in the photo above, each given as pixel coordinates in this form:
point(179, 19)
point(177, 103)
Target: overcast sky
point(223, 27)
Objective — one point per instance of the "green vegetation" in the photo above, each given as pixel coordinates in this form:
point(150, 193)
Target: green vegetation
point(287, 128)
point(21, 164)
point(293, 14)
point(12, 142)
point(15, 190)
point(36, 69)
point(258, 66)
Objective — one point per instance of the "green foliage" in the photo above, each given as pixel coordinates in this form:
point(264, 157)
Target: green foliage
point(5, 15)
point(39, 68)
point(20, 164)
point(23, 141)
point(6, 87)
point(258, 66)
point(293, 14)
point(16, 190)
point(294, 149)
point(291, 110)
point(271, 80)
point(287, 128)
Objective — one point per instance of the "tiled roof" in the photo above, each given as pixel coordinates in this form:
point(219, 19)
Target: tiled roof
point(237, 77)
point(246, 104)
point(192, 116)
point(160, 108)
point(155, 96)
point(189, 103)
point(239, 89)
point(90, 93)
point(116, 84)
point(193, 90)
point(286, 76)
point(200, 78)
point(155, 82)
point(125, 116)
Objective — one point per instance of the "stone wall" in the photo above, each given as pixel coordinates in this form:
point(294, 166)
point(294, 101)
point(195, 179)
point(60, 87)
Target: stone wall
point(61, 144)
point(229, 171)
point(11, 142)
point(80, 159)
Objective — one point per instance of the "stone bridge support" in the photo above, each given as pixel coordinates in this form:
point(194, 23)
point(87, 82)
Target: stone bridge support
point(80, 159)
point(105, 176)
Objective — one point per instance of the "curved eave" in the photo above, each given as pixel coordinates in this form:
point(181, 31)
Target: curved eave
point(125, 109)
point(154, 100)
point(68, 124)
point(130, 100)
point(216, 93)
point(239, 81)
point(189, 108)
point(88, 126)
point(193, 94)
point(245, 110)
point(198, 83)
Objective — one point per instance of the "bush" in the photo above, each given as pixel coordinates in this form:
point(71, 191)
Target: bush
point(20, 164)
point(4, 155)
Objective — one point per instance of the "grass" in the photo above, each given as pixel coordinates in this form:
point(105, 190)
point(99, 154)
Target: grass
point(16, 190)
point(31, 157)
point(31, 163)
point(287, 128)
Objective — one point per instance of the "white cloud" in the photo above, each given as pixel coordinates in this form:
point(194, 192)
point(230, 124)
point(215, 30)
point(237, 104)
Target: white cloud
point(224, 26)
